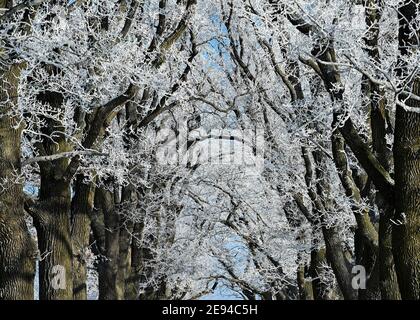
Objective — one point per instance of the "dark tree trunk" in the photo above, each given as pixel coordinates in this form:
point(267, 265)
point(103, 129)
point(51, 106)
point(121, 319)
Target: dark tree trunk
point(113, 233)
point(387, 275)
point(318, 261)
point(134, 276)
point(54, 241)
point(366, 236)
point(128, 200)
point(17, 248)
point(124, 260)
point(406, 229)
point(82, 206)
point(52, 213)
point(380, 126)
point(305, 287)
point(108, 266)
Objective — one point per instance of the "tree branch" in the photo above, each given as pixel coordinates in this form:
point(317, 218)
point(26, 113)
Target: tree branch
point(97, 126)
point(57, 156)
point(21, 6)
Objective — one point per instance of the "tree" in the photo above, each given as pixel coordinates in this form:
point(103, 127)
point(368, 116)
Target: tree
point(170, 149)
point(405, 238)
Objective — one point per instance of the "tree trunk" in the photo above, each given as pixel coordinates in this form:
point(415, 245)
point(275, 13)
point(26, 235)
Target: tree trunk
point(17, 248)
point(380, 126)
point(124, 260)
point(333, 243)
point(318, 261)
point(52, 213)
point(379, 122)
point(387, 274)
point(339, 262)
point(128, 199)
point(305, 286)
point(406, 230)
point(54, 241)
point(108, 266)
point(134, 276)
point(366, 236)
point(82, 206)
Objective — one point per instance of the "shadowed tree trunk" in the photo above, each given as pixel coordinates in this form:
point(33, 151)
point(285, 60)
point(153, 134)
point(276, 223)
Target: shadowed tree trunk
point(305, 286)
point(318, 261)
point(54, 242)
point(134, 275)
point(113, 235)
point(52, 212)
point(406, 229)
point(17, 249)
point(125, 238)
point(380, 126)
point(82, 206)
point(108, 266)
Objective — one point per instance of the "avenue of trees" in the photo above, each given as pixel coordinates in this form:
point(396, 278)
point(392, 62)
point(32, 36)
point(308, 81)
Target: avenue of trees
point(177, 149)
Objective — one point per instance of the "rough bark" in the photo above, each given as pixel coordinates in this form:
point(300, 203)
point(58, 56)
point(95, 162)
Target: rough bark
point(366, 236)
point(108, 266)
point(133, 277)
point(406, 229)
point(380, 126)
point(82, 206)
point(17, 248)
point(128, 199)
point(124, 260)
point(318, 261)
point(305, 286)
point(54, 241)
point(387, 274)
point(52, 212)
point(333, 244)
